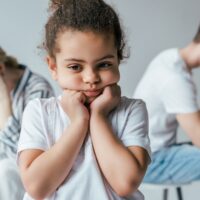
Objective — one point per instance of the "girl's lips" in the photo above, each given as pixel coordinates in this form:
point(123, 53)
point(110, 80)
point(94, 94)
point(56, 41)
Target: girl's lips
point(92, 93)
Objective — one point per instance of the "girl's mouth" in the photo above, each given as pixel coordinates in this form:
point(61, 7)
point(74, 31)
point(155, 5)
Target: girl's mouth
point(92, 93)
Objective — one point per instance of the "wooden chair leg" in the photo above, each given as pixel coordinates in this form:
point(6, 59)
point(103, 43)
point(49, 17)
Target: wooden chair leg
point(165, 194)
point(179, 193)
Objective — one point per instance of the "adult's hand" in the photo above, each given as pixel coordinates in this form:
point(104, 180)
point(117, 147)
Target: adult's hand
point(5, 104)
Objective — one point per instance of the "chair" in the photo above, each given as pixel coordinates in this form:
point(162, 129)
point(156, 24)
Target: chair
point(165, 188)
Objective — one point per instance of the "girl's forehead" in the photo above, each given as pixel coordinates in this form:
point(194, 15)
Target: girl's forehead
point(84, 39)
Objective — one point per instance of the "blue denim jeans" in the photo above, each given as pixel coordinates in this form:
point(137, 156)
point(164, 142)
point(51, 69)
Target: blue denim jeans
point(179, 163)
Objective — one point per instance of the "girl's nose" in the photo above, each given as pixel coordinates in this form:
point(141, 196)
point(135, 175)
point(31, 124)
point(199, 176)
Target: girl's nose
point(91, 77)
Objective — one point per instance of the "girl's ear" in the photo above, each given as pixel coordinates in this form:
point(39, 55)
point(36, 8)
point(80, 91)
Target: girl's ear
point(52, 67)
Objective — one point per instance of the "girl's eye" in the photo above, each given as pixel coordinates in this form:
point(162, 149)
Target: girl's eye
point(74, 67)
point(104, 65)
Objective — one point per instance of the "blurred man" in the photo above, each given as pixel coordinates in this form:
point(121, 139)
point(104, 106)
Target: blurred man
point(168, 89)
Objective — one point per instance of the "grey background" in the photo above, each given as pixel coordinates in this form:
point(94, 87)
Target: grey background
point(150, 25)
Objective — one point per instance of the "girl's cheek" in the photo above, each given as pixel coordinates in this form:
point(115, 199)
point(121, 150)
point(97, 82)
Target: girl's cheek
point(68, 83)
point(114, 78)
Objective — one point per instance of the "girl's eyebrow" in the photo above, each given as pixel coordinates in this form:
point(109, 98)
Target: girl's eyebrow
point(80, 60)
point(74, 59)
point(105, 57)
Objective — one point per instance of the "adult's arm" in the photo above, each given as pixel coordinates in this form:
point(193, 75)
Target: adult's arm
point(9, 136)
point(180, 97)
point(190, 123)
point(5, 104)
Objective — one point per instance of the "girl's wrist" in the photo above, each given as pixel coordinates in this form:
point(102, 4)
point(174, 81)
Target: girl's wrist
point(80, 122)
point(98, 115)
point(100, 112)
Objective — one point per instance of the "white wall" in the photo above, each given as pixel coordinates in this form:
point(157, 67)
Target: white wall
point(151, 26)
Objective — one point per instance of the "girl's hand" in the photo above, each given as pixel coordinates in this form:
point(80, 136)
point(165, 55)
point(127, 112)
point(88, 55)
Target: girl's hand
point(107, 101)
point(72, 103)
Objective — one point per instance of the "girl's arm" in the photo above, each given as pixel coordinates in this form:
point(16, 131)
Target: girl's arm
point(122, 167)
point(43, 172)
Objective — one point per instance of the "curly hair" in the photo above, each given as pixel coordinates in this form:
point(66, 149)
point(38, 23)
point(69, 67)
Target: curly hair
point(82, 15)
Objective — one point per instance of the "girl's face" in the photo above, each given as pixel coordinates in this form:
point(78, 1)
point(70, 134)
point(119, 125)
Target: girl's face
point(85, 61)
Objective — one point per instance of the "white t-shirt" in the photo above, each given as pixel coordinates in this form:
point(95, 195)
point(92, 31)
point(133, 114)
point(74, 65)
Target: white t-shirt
point(168, 89)
point(43, 124)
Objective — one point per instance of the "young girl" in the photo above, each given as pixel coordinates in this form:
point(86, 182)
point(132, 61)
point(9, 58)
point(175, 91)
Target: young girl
point(90, 143)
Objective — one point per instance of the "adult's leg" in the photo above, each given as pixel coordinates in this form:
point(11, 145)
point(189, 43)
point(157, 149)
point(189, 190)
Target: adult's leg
point(10, 183)
point(175, 164)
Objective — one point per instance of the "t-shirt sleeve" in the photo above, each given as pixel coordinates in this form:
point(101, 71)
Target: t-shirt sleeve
point(135, 132)
point(33, 133)
point(179, 95)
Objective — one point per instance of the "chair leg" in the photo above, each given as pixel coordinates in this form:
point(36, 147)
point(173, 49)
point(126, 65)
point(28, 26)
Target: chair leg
point(179, 193)
point(165, 194)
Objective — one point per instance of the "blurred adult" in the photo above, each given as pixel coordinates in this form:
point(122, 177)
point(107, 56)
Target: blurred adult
point(170, 93)
point(18, 85)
